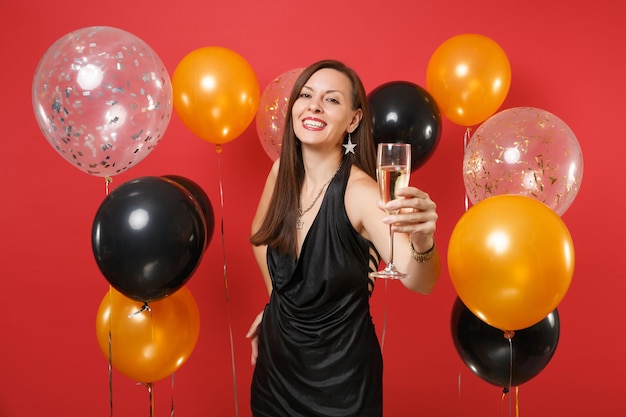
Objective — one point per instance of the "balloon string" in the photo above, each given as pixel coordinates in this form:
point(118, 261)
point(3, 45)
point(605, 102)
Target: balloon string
point(509, 336)
point(459, 392)
point(230, 327)
point(505, 391)
point(219, 168)
point(466, 138)
point(150, 386)
point(384, 331)
point(172, 401)
point(107, 182)
point(232, 359)
point(110, 355)
point(147, 308)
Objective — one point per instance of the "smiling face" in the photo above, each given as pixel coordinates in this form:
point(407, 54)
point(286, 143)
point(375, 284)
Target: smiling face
point(323, 112)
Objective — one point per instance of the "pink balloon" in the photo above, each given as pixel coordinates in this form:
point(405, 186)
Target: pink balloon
point(102, 98)
point(270, 117)
point(525, 151)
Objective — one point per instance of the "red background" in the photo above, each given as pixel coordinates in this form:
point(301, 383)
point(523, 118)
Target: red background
point(566, 57)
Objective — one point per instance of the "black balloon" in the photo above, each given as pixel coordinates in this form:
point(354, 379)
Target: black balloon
point(148, 237)
point(202, 198)
point(404, 112)
point(487, 352)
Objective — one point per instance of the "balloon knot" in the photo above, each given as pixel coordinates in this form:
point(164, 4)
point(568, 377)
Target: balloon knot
point(144, 307)
point(218, 149)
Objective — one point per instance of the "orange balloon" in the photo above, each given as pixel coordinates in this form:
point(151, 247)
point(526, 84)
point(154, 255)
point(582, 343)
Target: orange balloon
point(511, 260)
point(147, 346)
point(469, 77)
point(216, 93)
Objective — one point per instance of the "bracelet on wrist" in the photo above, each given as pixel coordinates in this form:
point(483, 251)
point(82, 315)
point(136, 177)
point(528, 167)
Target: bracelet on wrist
point(421, 256)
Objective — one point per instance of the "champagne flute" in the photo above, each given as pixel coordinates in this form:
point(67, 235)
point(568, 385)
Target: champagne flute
point(393, 168)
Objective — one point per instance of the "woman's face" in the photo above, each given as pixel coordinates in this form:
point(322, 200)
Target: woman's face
point(323, 113)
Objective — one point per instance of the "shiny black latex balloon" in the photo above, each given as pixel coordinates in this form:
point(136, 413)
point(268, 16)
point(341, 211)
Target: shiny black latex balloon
point(404, 112)
point(202, 198)
point(487, 352)
point(148, 237)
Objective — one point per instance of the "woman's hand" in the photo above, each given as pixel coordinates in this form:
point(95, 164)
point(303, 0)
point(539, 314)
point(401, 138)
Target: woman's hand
point(253, 335)
point(417, 216)
point(414, 226)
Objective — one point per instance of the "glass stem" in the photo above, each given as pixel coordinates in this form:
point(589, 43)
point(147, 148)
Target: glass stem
point(391, 265)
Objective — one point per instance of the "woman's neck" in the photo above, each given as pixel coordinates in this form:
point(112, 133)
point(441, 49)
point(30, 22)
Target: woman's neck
point(319, 167)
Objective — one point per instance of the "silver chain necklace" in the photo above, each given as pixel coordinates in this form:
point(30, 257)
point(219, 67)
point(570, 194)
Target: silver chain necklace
point(300, 222)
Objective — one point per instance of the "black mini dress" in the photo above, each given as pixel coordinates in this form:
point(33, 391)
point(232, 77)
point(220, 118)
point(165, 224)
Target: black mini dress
point(319, 354)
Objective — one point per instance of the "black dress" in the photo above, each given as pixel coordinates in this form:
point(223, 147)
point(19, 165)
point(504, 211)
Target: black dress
point(318, 351)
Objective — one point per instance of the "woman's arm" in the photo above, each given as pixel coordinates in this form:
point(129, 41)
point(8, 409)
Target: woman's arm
point(260, 252)
point(416, 220)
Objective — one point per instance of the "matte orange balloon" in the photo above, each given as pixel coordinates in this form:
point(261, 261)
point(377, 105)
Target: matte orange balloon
point(469, 77)
point(216, 93)
point(147, 346)
point(511, 260)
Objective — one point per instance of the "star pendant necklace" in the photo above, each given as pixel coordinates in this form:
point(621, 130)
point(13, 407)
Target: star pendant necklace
point(300, 222)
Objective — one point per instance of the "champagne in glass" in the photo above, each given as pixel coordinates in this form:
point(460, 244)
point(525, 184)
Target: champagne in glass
point(393, 168)
point(390, 179)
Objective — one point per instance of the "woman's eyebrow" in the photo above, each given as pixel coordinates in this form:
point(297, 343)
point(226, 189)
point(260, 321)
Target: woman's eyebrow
point(325, 92)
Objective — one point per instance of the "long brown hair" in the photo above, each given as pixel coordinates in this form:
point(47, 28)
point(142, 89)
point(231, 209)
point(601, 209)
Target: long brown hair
point(278, 228)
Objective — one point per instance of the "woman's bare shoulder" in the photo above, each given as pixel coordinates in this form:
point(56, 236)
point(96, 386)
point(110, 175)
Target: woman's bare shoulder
point(361, 182)
point(360, 199)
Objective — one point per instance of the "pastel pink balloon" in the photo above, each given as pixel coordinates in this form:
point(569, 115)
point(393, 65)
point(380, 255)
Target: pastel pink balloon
point(270, 117)
point(102, 98)
point(525, 151)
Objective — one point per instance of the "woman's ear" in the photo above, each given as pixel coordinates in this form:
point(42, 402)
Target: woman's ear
point(356, 119)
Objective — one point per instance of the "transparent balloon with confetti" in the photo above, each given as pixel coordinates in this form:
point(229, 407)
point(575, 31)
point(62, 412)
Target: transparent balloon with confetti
point(270, 117)
point(526, 151)
point(102, 98)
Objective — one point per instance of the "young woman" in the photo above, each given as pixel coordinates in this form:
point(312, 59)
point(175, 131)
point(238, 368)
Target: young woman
point(319, 229)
